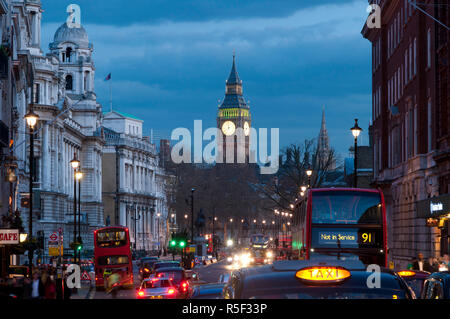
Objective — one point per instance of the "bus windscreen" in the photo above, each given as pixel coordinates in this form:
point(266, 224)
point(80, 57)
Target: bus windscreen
point(346, 207)
point(111, 238)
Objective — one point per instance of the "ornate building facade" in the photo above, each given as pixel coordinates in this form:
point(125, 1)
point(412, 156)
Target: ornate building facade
point(63, 97)
point(410, 125)
point(133, 182)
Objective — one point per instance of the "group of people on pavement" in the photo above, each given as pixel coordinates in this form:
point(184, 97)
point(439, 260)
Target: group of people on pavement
point(43, 284)
point(431, 264)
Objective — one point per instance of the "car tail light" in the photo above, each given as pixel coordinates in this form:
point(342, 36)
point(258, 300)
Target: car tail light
point(171, 291)
point(146, 270)
point(140, 293)
point(184, 286)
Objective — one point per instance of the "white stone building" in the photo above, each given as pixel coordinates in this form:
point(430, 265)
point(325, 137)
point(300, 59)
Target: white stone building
point(133, 182)
point(69, 120)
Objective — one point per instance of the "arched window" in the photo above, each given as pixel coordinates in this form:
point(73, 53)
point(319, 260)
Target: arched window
point(68, 54)
point(69, 82)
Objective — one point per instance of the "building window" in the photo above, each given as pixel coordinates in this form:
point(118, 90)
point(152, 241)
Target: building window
point(429, 48)
point(36, 91)
point(416, 147)
point(430, 122)
point(410, 61)
point(415, 56)
point(68, 54)
point(69, 82)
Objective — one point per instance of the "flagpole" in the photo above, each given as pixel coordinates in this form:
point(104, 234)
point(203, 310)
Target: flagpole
point(110, 94)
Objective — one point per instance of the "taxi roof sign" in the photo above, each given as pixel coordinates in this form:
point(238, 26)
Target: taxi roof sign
point(406, 273)
point(323, 274)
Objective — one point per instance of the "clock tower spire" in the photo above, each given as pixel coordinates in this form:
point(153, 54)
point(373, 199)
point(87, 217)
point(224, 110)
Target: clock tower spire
point(233, 117)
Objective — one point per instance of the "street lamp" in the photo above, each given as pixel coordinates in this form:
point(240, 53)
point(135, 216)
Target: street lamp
point(356, 130)
point(79, 176)
point(75, 163)
point(309, 173)
point(159, 226)
point(31, 119)
point(303, 188)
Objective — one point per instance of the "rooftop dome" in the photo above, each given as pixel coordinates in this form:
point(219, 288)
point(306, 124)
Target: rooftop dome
point(74, 35)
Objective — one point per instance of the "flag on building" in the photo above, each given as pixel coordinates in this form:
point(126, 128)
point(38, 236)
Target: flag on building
point(108, 77)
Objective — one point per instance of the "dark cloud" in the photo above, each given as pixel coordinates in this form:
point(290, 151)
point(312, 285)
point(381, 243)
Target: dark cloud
point(292, 62)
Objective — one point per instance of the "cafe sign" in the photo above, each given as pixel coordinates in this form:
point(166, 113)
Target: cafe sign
point(9, 236)
point(434, 207)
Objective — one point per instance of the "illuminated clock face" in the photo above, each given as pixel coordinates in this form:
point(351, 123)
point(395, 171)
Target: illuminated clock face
point(246, 129)
point(228, 128)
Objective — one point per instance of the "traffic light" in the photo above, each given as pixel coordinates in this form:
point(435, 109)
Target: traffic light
point(76, 246)
point(182, 243)
point(173, 243)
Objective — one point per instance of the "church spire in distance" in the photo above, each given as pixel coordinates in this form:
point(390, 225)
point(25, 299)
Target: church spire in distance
point(323, 142)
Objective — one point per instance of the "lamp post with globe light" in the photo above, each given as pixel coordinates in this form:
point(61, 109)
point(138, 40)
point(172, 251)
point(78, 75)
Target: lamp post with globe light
point(31, 119)
point(75, 163)
point(356, 130)
point(309, 173)
point(79, 176)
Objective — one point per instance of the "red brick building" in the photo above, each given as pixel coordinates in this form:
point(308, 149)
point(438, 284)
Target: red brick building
point(410, 103)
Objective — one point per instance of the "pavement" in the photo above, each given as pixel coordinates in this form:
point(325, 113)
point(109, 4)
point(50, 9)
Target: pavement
point(84, 292)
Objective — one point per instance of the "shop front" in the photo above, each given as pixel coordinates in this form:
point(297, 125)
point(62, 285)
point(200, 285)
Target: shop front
point(436, 211)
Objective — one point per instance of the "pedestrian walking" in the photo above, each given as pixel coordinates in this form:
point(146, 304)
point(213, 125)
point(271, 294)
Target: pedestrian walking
point(50, 288)
point(37, 287)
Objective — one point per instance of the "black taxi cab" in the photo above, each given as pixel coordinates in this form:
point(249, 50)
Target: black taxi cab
point(305, 279)
point(415, 279)
point(437, 286)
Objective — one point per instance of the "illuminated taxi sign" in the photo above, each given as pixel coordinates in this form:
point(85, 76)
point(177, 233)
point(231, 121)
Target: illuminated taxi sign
point(406, 273)
point(323, 274)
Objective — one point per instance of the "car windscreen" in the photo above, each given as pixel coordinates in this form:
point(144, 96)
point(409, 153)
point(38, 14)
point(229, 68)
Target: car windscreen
point(148, 264)
point(175, 276)
point(156, 284)
point(164, 265)
point(111, 238)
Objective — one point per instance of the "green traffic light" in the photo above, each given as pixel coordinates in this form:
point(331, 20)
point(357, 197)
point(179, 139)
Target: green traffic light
point(173, 243)
point(182, 244)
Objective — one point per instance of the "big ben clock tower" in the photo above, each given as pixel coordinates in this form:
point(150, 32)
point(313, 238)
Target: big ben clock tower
point(233, 118)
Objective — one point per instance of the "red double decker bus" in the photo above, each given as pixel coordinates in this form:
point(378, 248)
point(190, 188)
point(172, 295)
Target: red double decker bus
point(341, 223)
point(112, 253)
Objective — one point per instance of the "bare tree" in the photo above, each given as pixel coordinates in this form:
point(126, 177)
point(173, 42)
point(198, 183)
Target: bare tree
point(283, 187)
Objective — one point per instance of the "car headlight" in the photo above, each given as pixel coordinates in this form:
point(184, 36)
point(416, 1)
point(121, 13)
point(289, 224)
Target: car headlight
point(269, 254)
point(236, 257)
point(230, 259)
